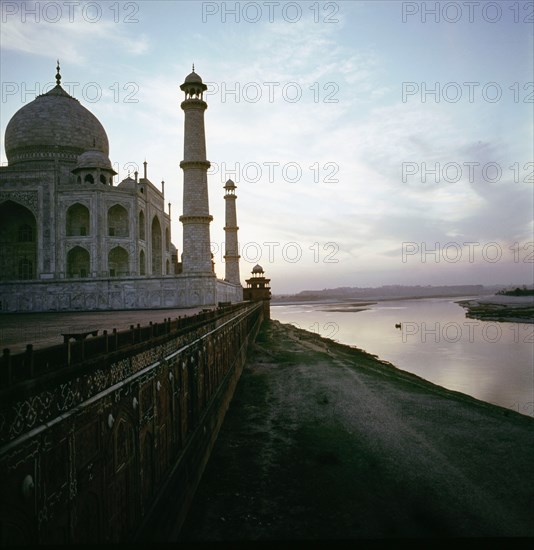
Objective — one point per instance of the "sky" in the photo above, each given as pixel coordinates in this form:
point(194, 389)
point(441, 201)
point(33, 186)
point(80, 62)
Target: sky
point(372, 143)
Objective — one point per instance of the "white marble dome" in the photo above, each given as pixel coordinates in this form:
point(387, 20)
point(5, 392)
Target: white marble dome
point(53, 124)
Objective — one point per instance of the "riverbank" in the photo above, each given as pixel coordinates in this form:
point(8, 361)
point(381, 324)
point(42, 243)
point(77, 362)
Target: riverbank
point(512, 309)
point(326, 442)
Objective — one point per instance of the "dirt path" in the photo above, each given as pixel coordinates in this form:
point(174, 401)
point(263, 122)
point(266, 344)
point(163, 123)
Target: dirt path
point(325, 442)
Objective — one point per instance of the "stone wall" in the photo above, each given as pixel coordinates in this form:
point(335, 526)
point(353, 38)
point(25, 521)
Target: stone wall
point(117, 293)
point(88, 452)
point(229, 292)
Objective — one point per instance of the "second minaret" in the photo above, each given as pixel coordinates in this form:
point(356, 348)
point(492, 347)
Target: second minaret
point(196, 257)
point(231, 256)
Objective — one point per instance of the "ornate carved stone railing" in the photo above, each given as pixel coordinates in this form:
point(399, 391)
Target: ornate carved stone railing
point(19, 369)
point(87, 449)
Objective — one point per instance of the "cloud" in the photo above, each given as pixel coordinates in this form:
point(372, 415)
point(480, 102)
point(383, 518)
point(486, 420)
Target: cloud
point(36, 29)
point(364, 204)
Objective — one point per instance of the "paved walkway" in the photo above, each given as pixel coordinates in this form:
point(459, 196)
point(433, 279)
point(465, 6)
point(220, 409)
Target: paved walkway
point(323, 442)
point(45, 329)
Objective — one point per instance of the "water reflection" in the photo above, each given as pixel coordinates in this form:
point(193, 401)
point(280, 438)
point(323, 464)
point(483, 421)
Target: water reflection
point(488, 360)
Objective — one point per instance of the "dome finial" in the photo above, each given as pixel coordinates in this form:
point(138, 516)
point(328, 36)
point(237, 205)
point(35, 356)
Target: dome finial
point(193, 67)
point(58, 76)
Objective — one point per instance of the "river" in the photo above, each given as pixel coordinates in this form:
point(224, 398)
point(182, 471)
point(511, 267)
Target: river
point(488, 360)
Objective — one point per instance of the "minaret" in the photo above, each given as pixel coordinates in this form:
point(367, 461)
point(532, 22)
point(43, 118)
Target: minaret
point(196, 256)
point(231, 255)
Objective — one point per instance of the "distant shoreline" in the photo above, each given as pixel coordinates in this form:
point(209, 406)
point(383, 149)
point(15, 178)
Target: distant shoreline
point(503, 309)
point(364, 301)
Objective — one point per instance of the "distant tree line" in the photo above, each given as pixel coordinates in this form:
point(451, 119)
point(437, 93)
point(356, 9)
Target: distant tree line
point(517, 292)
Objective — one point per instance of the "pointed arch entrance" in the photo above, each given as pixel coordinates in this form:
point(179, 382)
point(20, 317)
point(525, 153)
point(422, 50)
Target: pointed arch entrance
point(18, 242)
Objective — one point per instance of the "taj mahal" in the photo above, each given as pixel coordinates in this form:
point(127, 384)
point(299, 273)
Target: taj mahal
point(72, 240)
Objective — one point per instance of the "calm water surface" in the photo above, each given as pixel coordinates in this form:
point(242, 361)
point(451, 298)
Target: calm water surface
point(487, 360)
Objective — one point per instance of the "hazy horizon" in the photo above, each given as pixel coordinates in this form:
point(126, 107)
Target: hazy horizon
point(372, 143)
point(393, 286)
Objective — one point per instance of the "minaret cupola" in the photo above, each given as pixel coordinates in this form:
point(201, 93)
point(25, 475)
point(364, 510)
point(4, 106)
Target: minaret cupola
point(193, 86)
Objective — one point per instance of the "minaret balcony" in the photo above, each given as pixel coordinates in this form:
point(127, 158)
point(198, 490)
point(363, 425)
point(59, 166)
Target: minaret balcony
point(196, 219)
point(194, 103)
point(195, 164)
